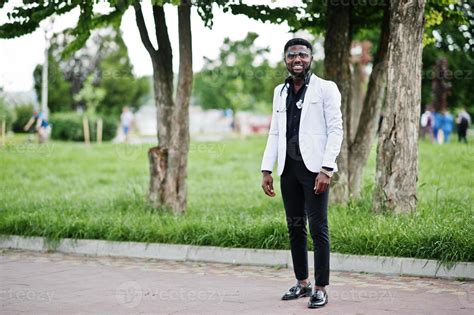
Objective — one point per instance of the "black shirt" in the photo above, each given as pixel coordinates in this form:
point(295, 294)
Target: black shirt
point(293, 117)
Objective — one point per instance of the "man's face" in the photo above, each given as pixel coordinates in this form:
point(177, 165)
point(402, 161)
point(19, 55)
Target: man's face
point(298, 60)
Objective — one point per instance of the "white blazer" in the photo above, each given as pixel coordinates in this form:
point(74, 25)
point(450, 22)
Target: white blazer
point(320, 133)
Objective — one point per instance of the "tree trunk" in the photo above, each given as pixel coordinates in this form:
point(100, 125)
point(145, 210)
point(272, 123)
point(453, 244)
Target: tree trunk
point(337, 47)
point(358, 85)
point(361, 145)
point(168, 161)
point(180, 127)
point(397, 150)
point(441, 85)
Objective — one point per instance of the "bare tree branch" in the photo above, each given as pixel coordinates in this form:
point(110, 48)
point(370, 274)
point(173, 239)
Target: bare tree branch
point(375, 93)
point(164, 46)
point(185, 51)
point(143, 30)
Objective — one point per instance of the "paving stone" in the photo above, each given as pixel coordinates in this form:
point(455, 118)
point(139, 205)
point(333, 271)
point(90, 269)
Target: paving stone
point(55, 283)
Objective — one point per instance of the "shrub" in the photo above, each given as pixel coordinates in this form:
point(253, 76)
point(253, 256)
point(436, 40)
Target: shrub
point(23, 114)
point(69, 127)
point(6, 114)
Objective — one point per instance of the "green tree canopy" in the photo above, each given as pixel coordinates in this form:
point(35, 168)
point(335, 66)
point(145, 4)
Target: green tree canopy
point(59, 89)
point(241, 78)
point(106, 60)
point(115, 77)
point(453, 39)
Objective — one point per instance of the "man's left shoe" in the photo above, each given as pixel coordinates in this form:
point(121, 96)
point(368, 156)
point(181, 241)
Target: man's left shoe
point(297, 291)
point(319, 298)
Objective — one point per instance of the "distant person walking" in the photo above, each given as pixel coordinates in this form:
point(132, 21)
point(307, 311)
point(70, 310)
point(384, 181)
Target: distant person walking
point(40, 120)
point(126, 121)
point(426, 122)
point(443, 126)
point(463, 121)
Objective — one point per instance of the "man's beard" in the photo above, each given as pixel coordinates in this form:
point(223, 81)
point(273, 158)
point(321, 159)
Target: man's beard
point(299, 75)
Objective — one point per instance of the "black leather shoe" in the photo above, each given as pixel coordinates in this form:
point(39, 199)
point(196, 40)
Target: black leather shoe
point(318, 299)
point(297, 291)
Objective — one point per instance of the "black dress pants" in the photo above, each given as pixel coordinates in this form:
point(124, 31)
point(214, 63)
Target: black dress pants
point(302, 205)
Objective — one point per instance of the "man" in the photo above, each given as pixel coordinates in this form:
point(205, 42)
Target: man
point(464, 121)
point(426, 123)
point(126, 120)
point(443, 126)
point(42, 125)
point(305, 137)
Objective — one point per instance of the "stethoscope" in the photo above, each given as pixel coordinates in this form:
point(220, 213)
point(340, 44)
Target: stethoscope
point(299, 103)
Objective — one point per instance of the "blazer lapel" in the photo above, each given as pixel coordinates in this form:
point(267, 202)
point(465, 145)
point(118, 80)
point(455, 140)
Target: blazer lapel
point(282, 115)
point(308, 97)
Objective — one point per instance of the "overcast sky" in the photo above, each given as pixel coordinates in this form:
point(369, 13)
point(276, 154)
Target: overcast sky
point(19, 56)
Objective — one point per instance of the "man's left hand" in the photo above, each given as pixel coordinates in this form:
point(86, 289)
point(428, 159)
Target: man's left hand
point(321, 184)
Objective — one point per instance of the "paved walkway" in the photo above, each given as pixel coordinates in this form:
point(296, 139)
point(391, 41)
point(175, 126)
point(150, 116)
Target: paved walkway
point(54, 283)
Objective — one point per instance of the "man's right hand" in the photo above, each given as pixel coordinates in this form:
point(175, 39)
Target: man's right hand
point(267, 184)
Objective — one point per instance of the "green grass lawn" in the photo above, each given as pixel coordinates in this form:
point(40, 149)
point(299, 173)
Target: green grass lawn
point(67, 190)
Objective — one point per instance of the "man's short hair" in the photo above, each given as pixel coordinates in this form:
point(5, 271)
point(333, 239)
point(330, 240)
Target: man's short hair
point(298, 41)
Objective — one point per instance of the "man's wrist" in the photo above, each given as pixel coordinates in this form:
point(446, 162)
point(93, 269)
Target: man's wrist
point(326, 172)
point(266, 172)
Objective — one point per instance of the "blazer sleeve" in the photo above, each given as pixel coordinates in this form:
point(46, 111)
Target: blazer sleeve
point(333, 118)
point(271, 149)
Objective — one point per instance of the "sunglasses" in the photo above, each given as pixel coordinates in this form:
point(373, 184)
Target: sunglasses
point(303, 54)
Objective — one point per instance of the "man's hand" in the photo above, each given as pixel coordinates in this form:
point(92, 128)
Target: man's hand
point(321, 184)
point(267, 184)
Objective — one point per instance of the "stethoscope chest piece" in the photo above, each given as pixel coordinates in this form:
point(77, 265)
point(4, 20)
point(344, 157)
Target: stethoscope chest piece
point(299, 104)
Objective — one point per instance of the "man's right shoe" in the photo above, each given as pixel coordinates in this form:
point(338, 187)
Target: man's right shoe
point(318, 299)
point(297, 291)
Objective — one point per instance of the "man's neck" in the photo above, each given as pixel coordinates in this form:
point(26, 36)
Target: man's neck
point(297, 83)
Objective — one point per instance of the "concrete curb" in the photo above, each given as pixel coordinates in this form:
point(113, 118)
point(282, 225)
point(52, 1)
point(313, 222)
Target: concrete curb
point(243, 256)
